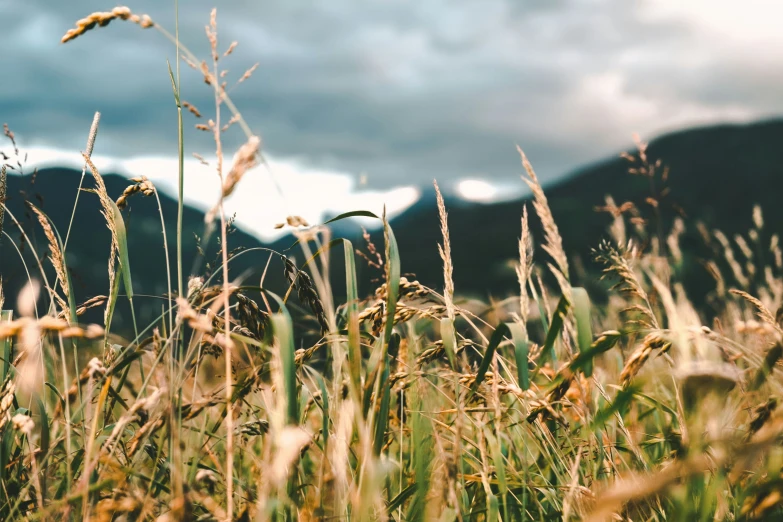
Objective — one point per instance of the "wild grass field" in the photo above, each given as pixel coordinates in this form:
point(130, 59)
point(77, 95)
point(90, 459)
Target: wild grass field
point(407, 404)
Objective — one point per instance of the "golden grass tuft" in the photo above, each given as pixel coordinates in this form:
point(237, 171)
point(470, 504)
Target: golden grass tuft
point(140, 185)
point(231, 405)
point(108, 215)
point(102, 19)
point(553, 244)
point(55, 253)
point(192, 109)
point(445, 254)
point(245, 159)
point(763, 313)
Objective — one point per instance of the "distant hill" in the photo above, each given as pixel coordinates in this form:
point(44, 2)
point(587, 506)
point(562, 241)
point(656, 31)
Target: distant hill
point(716, 174)
point(54, 190)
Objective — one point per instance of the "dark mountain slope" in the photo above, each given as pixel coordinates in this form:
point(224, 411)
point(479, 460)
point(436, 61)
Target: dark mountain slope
point(716, 174)
point(54, 191)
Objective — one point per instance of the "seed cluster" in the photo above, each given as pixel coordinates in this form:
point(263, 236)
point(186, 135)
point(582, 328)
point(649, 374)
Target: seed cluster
point(102, 19)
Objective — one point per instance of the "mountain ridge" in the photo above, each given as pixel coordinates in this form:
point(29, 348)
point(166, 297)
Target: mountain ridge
point(705, 165)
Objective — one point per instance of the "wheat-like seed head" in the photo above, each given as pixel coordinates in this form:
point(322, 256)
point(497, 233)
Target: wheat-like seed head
point(211, 31)
point(758, 217)
point(293, 221)
point(192, 108)
point(728, 253)
point(108, 215)
point(763, 313)
point(653, 341)
point(445, 254)
point(231, 48)
point(554, 242)
point(140, 184)
point(673, 239)
point(774, 247)
point(93, 133)
point(629, 283)
point(248, 73)
point(102, 19)
point(49, 324)
point(93, 302)
point(617, 228)
point(744, 247)
point(7, 400)
point(245, 159)
point(55, 254)
point(525, 268)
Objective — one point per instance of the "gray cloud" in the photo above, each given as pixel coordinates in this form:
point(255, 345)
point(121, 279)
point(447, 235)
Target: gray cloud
point(404, 91)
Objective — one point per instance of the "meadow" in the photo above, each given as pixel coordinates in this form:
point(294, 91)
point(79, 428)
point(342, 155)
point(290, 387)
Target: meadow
point(410, 403)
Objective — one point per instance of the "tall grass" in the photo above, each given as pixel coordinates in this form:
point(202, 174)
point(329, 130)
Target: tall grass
point(406, 405)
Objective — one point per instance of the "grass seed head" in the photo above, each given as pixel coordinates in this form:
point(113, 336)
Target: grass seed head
point(140, 185)
point(445, 254)
point(55, 253)
point(102, 19)
point(245, 159)
point(554, 242)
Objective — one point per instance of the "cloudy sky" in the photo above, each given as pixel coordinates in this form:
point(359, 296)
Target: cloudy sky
point(363, 101)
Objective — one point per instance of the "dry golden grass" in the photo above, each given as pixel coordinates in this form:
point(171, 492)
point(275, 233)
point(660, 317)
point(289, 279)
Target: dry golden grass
point(102, 19)
point(406, 405)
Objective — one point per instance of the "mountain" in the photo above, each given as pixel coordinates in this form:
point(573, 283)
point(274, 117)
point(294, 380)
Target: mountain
point(54, 190)
point(716, 174)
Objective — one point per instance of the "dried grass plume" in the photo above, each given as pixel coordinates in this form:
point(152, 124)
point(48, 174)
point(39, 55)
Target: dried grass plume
point(445, 254)
point(55, 253)
point(553, 241)
point(102, 19)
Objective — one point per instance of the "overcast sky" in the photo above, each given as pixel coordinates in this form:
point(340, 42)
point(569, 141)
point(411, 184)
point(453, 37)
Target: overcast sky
point(400, 91)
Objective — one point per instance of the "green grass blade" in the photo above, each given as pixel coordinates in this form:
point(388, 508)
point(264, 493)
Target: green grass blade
point(500, 332)
point(181, 165)
point(401, 497)
point(346, 215)
point(500, 469)
point(6, 446)
point(423, 451)
point(283, 330)
point(449, 337)
point(43, 443)
point(352, 309)
point(555, 329)
point(605, 342)
point(5, 344)
point(392, 292)
point(493, 508)
point(324, 410)
point(521, 351)
point(584, 331)
point(621, 401)
point(122, 243)
point(353, 213)
point(44, 423)
point(382, 420)
point(392, 282)
point(111, 302)
point(771, 358)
